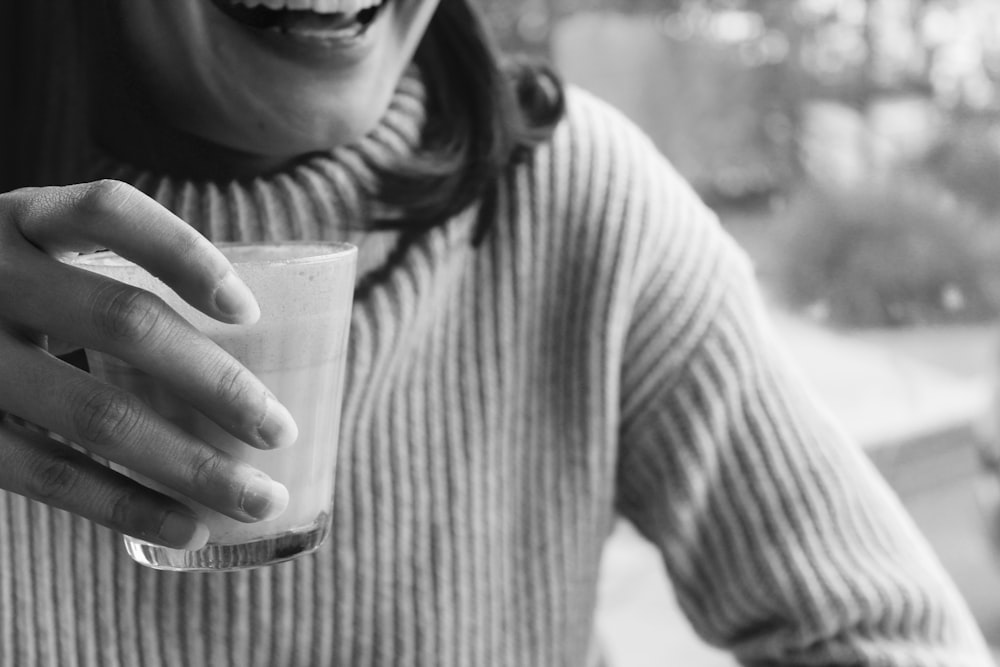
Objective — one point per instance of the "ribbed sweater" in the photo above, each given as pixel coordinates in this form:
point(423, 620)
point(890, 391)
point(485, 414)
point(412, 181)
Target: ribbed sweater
point(602, 353)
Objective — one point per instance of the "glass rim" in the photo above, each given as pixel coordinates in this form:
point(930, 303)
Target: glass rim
point(325, 251)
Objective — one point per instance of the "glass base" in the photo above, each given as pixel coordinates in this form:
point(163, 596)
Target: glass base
point(223, 557)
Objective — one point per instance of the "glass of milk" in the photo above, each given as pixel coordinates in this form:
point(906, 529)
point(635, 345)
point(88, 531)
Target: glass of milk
point(297, 348)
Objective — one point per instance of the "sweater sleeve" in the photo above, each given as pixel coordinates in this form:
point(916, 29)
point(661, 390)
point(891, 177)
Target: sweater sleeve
point(784, 544)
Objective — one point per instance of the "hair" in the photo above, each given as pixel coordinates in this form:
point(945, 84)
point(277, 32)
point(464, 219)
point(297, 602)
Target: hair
point(486, 113)
point(43, 124)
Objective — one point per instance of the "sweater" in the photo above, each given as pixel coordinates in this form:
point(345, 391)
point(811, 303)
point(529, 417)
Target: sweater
point(601, 354)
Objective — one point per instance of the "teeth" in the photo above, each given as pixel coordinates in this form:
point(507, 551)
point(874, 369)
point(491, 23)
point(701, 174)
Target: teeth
point(319, 6)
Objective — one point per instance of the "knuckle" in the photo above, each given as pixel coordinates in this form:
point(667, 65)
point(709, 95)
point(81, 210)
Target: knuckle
point(105, 196)
point(13, 206)
point(53, 480)
point(127, 314)
point(233, 384)
point(208, 470)
point(186, 242)
point(19, 207)
point(107, 416)
point(123, 515)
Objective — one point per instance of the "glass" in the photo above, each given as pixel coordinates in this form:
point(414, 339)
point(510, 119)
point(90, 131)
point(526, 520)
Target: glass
point(297, 349)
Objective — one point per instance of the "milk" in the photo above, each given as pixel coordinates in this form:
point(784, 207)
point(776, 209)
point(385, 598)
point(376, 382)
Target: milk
point(306, 468)
point(297, 349)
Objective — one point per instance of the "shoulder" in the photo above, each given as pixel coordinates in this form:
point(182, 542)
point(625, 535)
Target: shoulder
point(600, 168)
point(597, 137)
point(600, 174)
point(606, 204)
point(591, 118)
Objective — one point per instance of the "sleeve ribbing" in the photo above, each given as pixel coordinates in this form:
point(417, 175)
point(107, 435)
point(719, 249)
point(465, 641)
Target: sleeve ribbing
point(783, 543)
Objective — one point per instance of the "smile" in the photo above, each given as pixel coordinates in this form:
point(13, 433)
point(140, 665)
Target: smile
point(336, 22)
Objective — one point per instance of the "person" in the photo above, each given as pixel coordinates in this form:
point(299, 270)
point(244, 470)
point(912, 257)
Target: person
point(550, 331)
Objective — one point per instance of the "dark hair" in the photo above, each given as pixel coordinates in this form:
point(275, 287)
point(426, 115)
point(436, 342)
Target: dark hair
point(486, 112)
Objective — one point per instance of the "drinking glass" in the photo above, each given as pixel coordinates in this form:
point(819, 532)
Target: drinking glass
point(297, 348)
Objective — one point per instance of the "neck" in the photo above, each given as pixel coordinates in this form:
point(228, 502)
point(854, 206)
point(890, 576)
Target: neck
point(130, 130)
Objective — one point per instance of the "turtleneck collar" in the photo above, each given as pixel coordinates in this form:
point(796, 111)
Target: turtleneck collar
point(327, 195)
point(335, 188)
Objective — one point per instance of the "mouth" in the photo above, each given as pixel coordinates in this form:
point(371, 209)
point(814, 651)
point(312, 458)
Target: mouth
point(313, 20)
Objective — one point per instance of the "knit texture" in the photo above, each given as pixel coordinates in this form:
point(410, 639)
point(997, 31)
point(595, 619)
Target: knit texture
point(601, 353)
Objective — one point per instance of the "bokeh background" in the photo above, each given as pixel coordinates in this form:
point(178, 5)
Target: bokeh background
point(853, 148)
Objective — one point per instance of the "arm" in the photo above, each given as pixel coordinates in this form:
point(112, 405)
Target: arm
point(783, 543)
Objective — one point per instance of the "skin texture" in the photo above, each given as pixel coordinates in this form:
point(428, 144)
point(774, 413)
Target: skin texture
point(212, 78)
point(216, 79)
point(40, 296)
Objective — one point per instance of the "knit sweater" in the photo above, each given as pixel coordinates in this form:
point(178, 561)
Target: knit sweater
point(602, 353)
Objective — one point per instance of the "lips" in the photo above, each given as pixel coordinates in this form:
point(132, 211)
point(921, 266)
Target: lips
point(310, 23)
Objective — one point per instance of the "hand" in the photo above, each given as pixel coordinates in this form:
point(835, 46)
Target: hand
point(41, 297)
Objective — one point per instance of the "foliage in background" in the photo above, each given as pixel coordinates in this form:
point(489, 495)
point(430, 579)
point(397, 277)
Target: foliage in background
point(885, 252)
point(965, 159)
point(728, 90)
point(853, 51)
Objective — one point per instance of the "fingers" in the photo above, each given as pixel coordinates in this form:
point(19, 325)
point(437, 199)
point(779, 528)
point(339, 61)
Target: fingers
point(43, 470)
point(92, 311)
point(112, 214)
point(116, 425)
point(43, 300)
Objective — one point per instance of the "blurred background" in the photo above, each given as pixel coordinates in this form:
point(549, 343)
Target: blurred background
point(853, 148)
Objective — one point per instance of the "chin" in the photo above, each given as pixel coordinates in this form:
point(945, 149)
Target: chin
point(274, 77)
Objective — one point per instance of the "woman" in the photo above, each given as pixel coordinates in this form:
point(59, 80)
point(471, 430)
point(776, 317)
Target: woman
point(550, 331)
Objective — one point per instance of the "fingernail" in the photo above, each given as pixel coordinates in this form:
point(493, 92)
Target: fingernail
point(277, 429)
point(183, 532)
point(235, 301)
point(263, 498)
